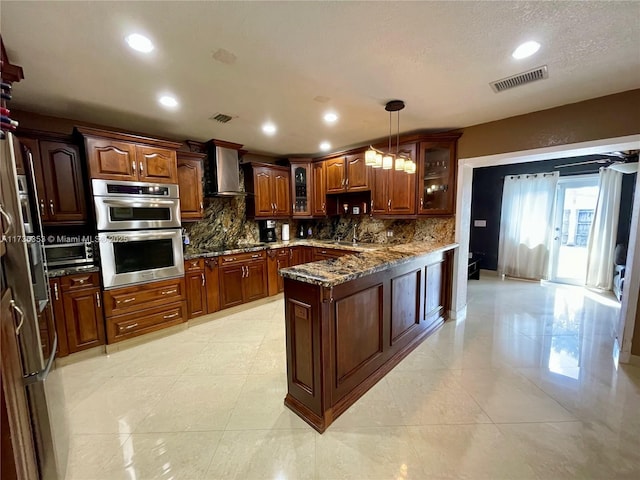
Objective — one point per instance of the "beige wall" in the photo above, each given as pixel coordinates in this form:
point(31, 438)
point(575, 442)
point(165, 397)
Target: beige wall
point(604, 117)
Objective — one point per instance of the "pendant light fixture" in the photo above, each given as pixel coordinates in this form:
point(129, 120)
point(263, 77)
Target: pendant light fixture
point(400, 160)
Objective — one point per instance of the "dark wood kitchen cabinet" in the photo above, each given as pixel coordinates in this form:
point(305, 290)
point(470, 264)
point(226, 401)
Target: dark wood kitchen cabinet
point(393, 191)
point(196, 287)
point(347, 173)
point(269, 186)
point(78, 312)
point(277, 259)
point(140, 309)
point(120, 156)
point(243, 278)
point(319, 190)
point(57, 169)
point(321, 253)
point(190, 185)
point(437, 176)
point(301, 188)
point(202, 286)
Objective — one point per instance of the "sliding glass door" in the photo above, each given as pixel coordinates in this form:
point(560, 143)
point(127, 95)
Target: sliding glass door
point(576, 200)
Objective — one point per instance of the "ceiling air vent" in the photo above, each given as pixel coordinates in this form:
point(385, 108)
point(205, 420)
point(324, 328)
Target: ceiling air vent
point(539, 73)
point(220, 117)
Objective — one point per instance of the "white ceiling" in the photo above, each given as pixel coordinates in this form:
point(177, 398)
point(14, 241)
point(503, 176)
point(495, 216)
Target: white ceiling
point(438, 57)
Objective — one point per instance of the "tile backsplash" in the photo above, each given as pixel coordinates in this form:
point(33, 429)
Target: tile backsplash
point(225, 224)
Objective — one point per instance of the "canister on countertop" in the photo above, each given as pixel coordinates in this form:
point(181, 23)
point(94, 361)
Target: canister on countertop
point(285, 232)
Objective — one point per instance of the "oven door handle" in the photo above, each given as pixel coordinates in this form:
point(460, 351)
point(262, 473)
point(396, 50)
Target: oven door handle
point(138, 202)
point(126, 236)
point(42, 374)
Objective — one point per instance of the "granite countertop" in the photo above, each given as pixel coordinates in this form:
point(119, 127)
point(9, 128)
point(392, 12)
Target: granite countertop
point(360, 247)
point(61, 272)
point(329, 273)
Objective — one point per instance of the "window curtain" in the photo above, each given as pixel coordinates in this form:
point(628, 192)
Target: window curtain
point(602, 236)
point(526, 225)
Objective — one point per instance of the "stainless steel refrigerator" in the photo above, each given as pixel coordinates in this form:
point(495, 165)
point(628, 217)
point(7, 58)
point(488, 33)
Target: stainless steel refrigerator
point(23, 269)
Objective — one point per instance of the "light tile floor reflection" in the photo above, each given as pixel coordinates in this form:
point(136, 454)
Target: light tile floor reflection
point(525, 387)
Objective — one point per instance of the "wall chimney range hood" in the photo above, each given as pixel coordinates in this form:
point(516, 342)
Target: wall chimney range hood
point(222, 170)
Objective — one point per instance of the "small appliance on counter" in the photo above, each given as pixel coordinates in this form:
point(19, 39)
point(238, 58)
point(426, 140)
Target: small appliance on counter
point(285, 232)
point(69, 254)
point(267, 230)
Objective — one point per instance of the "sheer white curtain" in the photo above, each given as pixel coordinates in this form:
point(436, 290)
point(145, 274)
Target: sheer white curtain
point(526, 225)
point(602, 236)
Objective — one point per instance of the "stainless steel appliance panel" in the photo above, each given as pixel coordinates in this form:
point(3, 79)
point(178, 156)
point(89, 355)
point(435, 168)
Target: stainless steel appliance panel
point(131, 257)
point(119, 213)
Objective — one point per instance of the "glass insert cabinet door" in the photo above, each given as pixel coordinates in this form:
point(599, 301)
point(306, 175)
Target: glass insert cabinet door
point(301, 191)
point(437, 177)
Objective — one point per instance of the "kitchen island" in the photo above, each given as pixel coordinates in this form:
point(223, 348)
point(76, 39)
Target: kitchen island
point(350, 320)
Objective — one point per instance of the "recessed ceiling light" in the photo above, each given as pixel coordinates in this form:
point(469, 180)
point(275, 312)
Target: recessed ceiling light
point(168, 101)
point(330, 117)
point(324, 146)
point(139, 42)
point(525, 50)
point(269, 128)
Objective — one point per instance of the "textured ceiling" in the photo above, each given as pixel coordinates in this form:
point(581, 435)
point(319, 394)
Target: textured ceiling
point(278, 58)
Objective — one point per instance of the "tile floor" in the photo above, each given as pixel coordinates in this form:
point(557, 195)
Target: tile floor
point(525, 387)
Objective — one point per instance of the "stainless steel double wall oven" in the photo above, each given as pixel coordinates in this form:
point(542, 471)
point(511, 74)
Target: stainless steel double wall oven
point(139, 231)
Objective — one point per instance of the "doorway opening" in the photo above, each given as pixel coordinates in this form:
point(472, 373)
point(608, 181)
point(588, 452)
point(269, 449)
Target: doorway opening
point(576, 199)
point(466, 166)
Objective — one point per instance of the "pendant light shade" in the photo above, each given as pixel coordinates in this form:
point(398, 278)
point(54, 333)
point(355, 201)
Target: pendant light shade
point(387, 162)
point(399, 163)
point(410, 166)
point(378, 163)
point(370, 157)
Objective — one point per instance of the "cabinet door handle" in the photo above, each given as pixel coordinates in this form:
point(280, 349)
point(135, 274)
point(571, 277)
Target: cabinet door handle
point(129, 327)
point(41, 207)
point(278, 264)
point(201, 206)
point(98, 299)
point(291, 253)
point(421, 204)
point(389, 204)
point(342, 183)
point(141, 167)
point(255, 255)
point(173, 315)
point(293, 208)
point(202, 277)
point(371, 207)
point(53, 212)
point(230, 259)
point(133, 166)
point(167, 292)
point(55, 290)
point(7, 218)
point(21, 313)
point(347, 182)
point(324, 207)
point(126, 300)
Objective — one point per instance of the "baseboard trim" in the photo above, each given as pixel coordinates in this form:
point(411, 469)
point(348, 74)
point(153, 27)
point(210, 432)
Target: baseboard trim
point(459, 314)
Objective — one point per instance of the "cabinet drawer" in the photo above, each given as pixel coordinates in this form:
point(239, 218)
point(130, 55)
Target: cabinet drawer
point(242, 257)
point(131, 299)
point(145, 321)
point(79, 280)
point(194, 265)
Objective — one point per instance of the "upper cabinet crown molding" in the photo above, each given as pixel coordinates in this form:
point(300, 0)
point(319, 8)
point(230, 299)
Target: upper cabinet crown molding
point(128, 137)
